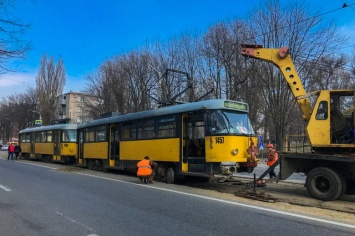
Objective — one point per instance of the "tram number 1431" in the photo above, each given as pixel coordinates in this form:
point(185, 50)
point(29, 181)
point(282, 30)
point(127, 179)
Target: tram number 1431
point(219, 140)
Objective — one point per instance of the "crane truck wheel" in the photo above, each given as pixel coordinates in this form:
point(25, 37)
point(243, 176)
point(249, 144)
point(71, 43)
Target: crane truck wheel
point(344, 183)
point(351, 186)
point(324, 184)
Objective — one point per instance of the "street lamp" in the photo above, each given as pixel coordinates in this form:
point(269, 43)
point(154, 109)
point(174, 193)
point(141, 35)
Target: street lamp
point(40, 117)
point(38, 122)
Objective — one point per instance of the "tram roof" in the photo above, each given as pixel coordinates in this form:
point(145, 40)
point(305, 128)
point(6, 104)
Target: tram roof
point(175, 109)
point(50, 127)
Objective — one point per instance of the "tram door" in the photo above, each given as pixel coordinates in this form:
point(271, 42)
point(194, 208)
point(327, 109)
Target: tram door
point(185, 143)
point(32, 151)
point(196, 142)
point(56, 146)
point(81, 147)
point(114, 145)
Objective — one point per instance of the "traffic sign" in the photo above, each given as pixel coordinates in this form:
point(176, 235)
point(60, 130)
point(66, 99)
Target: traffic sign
point(38, 122)
point(261, 143)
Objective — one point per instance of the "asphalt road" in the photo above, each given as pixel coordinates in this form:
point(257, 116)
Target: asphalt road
point(44, 199)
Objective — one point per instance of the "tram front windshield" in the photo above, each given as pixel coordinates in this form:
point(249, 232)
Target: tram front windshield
point(229, 122)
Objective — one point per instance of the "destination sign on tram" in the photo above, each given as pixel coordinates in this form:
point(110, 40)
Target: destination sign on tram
point(236, 105)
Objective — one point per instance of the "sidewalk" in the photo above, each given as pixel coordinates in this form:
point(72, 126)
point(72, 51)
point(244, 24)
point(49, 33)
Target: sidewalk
point(262, 167)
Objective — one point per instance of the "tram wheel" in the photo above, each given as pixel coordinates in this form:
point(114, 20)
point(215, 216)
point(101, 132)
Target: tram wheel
point(104, 165)
point(170, 176)
point(90, 164)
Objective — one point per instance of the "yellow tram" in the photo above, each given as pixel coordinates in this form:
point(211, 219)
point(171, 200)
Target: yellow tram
point(55, 143)
point(203, 138)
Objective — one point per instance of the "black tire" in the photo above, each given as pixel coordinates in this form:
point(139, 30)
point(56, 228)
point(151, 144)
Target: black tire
point(104, 165)
point(90, 164)
point(344, 184)
point(170, 176)
point(324, 184)
point(350, 186)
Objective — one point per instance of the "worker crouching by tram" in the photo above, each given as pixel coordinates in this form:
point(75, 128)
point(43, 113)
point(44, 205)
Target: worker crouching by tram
point(146, 170)
point(271, 159)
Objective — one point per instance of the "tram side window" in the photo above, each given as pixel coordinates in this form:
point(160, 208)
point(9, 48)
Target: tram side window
point(49, 136)
point(146, 129)
point(38, 137)
point(90, 135)
point(166, 127)
point(129, 131)
point(101, 133)
point(43, 137)
point(22, 138)
point(28, 138)
point(199, 129)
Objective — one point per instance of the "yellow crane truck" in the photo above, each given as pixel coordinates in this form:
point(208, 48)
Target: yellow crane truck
point(330, 164)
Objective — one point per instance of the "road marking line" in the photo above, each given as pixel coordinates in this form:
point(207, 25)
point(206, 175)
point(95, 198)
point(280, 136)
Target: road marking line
point(230, 202)
point(75, 222)
point(48, 167)
point(27, 163)
point(5, 188)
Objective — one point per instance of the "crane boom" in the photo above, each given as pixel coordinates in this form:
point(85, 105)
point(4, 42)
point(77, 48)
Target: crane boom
point(282, 59)
point(330, 164)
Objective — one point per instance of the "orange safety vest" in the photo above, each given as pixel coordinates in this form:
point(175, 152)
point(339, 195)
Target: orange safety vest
point(272, 158)
point(144, 168)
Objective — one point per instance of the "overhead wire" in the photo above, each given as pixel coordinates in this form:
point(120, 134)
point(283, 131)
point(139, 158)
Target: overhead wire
point(310, 18)
point(346, 68)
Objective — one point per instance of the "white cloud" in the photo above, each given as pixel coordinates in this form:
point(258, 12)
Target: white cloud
point(15, 83)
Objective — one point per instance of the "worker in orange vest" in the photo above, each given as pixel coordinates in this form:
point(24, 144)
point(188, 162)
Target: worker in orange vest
point(146, 169)
point(253, 151)
point(272, 158)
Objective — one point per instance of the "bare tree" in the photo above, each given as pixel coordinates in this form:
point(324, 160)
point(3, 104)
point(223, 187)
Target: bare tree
point(11, 30)
point(16, 113)
point(293, 25)
point(108, 87)
point(330, 72)
point(50, 83)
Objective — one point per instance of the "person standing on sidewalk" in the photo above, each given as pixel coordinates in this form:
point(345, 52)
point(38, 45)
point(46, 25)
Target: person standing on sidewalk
point(271, 159)
point(11, 152)
point(17, 151)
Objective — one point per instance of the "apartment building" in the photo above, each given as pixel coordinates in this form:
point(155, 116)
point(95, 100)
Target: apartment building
point(75, 106)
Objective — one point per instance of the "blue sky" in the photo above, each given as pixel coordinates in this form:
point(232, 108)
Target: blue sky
point(86, 32)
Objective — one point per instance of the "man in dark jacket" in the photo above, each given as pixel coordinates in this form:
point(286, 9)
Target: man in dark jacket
point(17, 151)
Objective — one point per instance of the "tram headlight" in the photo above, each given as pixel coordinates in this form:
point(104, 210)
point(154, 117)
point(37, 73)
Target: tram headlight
point(235, 151)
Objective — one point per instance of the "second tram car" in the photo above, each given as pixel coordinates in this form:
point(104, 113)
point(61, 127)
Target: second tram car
point(202, 138)
point(55, 143)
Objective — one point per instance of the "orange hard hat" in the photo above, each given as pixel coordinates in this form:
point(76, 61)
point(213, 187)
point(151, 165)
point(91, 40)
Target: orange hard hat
point(270, 145)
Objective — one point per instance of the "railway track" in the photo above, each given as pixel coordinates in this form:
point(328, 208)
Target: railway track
point(283, 191)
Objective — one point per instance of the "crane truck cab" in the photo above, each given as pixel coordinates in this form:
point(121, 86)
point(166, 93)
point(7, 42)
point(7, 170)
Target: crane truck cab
point(330, 164)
